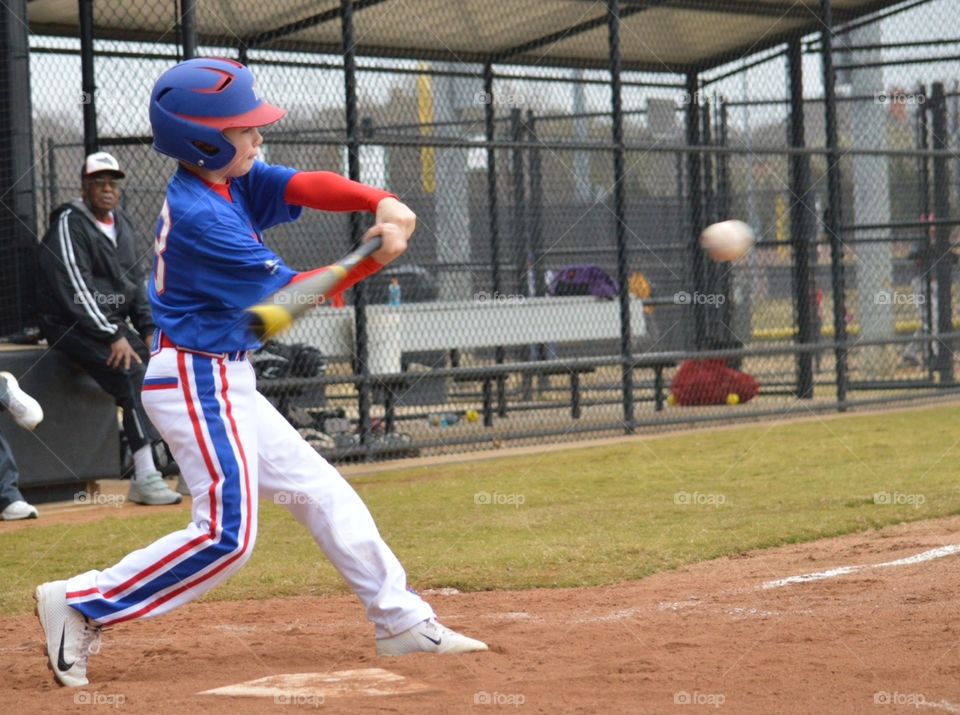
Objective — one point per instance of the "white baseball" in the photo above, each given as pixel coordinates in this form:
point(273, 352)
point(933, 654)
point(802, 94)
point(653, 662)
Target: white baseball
point(727, 240)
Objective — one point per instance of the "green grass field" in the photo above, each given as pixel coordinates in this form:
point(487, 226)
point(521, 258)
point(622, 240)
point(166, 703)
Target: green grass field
point(583, 516)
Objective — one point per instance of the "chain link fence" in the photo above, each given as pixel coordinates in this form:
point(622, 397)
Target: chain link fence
point(549, 223)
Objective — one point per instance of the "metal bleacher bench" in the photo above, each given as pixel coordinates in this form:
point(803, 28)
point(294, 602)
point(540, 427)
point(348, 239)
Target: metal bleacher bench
point(463, 326)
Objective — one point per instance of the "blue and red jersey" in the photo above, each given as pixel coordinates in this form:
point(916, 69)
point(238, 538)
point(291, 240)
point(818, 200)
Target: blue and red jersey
point(210, 261)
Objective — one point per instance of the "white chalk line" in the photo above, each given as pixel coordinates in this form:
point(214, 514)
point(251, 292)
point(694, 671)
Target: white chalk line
point(939, 705)
point(930, 555)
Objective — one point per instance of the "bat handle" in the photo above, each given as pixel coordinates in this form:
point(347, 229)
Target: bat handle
point(369, 248)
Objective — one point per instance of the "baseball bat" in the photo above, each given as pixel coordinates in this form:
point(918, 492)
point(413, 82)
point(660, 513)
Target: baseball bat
point(278, 312)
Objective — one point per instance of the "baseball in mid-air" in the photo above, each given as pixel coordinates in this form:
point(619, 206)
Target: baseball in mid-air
point(727, 240)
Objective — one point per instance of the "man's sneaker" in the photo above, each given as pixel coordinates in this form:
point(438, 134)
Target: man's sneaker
point(428, 637)
point(25, 410)
point(152, 491)
point(69, 638)
point(19, 510)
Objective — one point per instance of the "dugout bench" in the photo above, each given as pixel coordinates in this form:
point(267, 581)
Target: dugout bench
point(394, 331)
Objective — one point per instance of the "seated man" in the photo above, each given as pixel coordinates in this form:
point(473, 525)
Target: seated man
point(27, 413)
point(93, 307)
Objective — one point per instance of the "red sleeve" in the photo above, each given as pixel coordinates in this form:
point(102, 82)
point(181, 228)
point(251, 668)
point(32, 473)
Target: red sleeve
point(365, 268)
point(326, 191)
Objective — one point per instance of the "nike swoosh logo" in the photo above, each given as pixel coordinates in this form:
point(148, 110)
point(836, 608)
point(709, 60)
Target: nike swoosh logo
point(435, 642)
point(61, 663)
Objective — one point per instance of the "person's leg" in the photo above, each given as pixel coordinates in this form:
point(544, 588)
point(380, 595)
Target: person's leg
point(12, 504)
point(206, 412)
point(9, 476)
point(297, 477)
point(147, 486)
point(123, 385)
point(293, 475)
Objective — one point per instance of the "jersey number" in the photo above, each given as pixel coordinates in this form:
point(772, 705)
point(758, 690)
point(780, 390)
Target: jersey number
point(159, 246)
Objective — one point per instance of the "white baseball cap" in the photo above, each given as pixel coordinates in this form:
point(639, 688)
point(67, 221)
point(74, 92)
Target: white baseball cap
point(100, 161)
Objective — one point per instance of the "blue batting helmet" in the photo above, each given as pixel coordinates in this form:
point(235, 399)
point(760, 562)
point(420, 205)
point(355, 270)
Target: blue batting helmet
point(195, 100)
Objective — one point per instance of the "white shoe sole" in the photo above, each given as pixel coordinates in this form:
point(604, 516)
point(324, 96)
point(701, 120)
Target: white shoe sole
point(30, 513)
point(414, 641)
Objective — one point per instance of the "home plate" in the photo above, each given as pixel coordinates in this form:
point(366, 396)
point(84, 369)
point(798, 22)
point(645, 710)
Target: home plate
point(314, 688)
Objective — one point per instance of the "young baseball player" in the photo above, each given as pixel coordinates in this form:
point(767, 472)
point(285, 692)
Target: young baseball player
point(200, 390)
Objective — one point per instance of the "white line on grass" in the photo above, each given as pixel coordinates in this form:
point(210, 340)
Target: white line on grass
point(844, 570)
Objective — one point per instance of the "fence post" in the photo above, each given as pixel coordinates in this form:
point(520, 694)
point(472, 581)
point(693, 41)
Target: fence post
point(923, 173)
point(941, 209)
point(800, 224)
point(834, 211)
point(723, 161)
point(619, 212)
point(51, 192)
point(536, 205)
point(521, 240)
point(188, 28)
point(695, 206)
point(706, 138)
point(519, 229)
point(18, 218)
point(356, 228)
point(490, 130)
point(88, 84)
point(536, 231)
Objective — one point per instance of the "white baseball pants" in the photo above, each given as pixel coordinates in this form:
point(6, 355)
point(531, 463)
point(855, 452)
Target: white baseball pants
point(232, 447)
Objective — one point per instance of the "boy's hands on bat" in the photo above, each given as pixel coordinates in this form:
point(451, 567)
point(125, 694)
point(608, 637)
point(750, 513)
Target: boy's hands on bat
point(395, 224)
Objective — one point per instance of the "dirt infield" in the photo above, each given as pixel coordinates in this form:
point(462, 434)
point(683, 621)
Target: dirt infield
point(707, 638)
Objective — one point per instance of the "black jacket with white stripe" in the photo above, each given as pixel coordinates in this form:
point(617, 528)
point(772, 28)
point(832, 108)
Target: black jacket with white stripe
point(88, 281)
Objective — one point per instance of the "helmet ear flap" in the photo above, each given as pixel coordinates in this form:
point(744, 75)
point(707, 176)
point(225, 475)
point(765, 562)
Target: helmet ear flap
point(204, 148)
point(203, 153)
point(208, 149)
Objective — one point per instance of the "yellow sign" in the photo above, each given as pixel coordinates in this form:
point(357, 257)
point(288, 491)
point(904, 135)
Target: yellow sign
point(428, 156)
point(782, 234)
